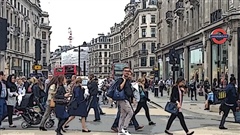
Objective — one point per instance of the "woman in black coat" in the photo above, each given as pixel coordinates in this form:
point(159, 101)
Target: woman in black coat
point(78, 105)
point(11, 98)
point(177, 97)
point(61, 104)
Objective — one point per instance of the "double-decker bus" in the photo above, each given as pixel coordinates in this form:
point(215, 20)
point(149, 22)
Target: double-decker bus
point(70, 70)
point(58, 71)
point(117, 69)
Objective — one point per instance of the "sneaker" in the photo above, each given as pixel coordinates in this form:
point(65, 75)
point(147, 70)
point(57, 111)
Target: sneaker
point(125, 132)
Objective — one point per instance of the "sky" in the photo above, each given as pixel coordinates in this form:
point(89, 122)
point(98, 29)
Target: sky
point(87, 18)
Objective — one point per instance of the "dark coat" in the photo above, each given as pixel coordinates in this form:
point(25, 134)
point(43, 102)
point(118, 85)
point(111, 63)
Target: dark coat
point(60, 109)
point(175, 96)
point(78, 105)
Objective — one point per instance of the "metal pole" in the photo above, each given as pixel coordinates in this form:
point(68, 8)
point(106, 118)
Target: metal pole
point(36, 63)
point(79, 60)
point(84, 68)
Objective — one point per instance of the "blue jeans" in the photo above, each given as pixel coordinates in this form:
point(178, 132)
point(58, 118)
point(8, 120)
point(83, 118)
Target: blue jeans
point(116, 121)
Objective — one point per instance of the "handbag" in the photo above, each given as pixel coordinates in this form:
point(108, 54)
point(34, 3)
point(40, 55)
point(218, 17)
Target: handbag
point(52, 103)
point(171, 108)
point(61, 101)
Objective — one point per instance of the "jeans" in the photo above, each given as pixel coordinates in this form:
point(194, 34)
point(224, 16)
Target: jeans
point(46, 115)
point(225, 114)
point(145, 107)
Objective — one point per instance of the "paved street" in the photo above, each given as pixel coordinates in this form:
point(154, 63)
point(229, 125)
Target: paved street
point(201, 124)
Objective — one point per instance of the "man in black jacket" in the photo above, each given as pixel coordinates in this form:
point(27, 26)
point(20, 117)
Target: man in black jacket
point(93, 100)
point(230, 101)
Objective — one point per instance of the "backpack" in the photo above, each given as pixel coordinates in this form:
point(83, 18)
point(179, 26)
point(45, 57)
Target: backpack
point(161, 84)
point(114, 93)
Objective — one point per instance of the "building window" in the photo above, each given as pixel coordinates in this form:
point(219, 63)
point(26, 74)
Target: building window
point(143, 19)
point(219, 60)
point(153, 20)
point(153, 32)
point(143, 61)
point(153, 45)
point(144, 4)
point(105, 54)
point(105, 61)
point(143, 32)
point(100, 54)
point(152, 61)
point(196, 63)
point(44, 48)
point(105, 69)
point(44, 35)
point(44, 61)
point(144, 46)
point(100, 62)
point(105, 46)
point(100, 46)
point(100, 69)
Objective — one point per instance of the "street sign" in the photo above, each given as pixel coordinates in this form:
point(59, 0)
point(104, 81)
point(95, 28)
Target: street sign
point(219, 36)
point(37, 67)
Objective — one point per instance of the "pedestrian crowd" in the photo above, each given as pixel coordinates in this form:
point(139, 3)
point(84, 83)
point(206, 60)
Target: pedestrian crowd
point(67, 99)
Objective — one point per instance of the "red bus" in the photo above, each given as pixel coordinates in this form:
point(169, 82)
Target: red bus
point(58, 71)
point(70, 70)
point(117, 69)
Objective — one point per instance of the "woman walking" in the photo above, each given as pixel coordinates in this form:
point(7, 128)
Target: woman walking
point(177, 97)
point(50, 90)
point(78, 105)
point(142, 99)
point(61, 104)
point(3, 97)
point(12, 98)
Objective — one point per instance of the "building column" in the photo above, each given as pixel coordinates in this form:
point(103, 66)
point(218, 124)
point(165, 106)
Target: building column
point(164, 76)
point(208, 60)
point(186, 63)
point(232, 54)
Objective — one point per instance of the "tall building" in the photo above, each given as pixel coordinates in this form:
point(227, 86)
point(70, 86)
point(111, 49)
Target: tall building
point(190, 27)
point(138, 36)
point(99, 56)
point(46, 38)
point(25, 25)
point(115, 43)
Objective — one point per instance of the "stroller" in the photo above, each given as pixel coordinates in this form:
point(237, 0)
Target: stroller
point(32, 114)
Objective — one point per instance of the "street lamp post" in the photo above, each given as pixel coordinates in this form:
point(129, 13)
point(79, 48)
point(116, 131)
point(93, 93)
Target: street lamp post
point(79, 59)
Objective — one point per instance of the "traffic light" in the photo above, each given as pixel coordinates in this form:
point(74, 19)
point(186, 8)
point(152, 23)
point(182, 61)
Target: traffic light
point(3, 34)
point(38, 49)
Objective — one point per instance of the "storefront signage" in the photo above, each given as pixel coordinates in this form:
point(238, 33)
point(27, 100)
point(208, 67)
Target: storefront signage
point(219, 36)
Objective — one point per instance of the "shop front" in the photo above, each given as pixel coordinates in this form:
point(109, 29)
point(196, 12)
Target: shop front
point(26, 68)
point(168, 67)
point(219, 60)
point(16, 66)
point(196, 60)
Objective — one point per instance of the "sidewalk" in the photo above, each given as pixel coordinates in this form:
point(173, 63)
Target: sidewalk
point(188, 105)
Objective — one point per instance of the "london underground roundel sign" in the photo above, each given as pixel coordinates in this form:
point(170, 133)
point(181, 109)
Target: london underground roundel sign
point(219, 36)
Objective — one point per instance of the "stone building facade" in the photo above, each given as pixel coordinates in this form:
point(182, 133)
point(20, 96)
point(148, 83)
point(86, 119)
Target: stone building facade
point(138, 36)
point(99, 56)
point(187, 26)
point(25, 25)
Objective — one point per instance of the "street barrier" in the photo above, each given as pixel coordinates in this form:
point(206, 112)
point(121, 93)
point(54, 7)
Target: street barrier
point(219, 95)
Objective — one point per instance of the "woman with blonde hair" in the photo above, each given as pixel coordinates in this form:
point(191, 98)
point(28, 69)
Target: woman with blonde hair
point(78, 105)
point(141, 96)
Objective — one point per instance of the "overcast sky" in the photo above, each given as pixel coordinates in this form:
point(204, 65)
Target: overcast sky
point(86, 18)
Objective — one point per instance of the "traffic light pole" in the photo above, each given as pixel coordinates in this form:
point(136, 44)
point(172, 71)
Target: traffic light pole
point(36, 63)
point(79, 61)
point(173, 77)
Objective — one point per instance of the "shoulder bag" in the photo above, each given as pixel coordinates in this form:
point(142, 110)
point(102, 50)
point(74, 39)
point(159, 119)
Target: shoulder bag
point(171, 108)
